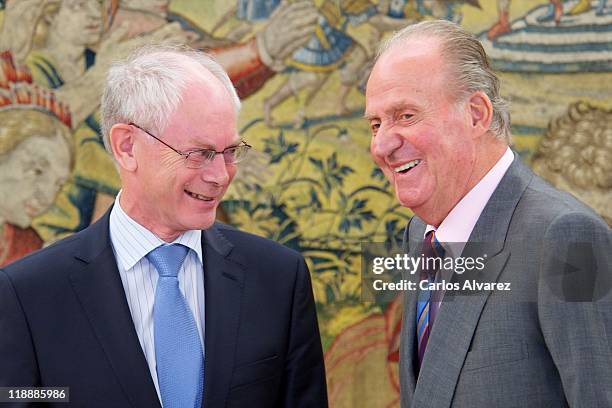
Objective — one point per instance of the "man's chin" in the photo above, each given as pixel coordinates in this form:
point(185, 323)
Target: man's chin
point(205, 223)
point(199, 221)
point(409, 200)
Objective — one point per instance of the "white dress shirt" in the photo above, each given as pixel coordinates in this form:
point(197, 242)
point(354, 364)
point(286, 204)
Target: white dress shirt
point(457, 227)
point(455, 230)
point(131, 242)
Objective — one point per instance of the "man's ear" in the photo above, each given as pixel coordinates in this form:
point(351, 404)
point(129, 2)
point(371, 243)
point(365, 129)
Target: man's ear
point(121, 139)
point(481, 112)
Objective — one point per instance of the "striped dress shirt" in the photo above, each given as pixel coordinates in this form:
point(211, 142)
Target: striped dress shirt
point(131, 242)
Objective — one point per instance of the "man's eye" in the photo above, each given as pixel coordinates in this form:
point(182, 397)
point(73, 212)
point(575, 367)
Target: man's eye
point(407, 116)
point(200, 155)
point(230, 151)
point(374, 127)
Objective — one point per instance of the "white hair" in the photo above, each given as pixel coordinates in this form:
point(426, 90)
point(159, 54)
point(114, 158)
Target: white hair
point(468, 63)
point(147, 87)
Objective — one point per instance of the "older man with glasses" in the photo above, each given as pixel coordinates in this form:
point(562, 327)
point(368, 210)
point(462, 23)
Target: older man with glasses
point(156, 304)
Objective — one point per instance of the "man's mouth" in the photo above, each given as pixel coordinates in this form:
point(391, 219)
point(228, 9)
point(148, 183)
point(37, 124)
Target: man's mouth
point(404, 168)
point(199, 196)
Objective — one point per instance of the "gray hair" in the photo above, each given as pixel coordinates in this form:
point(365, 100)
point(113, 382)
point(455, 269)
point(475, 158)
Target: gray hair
point(147, 87)
point(469, 65)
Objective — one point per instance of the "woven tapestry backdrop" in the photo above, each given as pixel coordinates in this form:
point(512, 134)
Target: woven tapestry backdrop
point(311, 183)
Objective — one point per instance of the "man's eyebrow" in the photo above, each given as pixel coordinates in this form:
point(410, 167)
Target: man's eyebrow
point(394, 109)
point(205, 146)
point(200, 145)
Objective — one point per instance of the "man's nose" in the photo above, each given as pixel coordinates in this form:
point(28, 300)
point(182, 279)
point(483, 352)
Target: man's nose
point(216, 171)
point(386, 141)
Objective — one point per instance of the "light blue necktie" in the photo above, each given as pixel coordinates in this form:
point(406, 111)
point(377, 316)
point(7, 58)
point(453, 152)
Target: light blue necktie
point(178, 351)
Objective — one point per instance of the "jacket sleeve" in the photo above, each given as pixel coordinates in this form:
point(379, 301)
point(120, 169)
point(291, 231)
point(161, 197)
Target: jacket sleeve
point(575, 306)
point(304, 382)
point(18, 366)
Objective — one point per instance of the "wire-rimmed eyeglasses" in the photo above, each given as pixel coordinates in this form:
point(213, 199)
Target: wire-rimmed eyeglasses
point(196, 159)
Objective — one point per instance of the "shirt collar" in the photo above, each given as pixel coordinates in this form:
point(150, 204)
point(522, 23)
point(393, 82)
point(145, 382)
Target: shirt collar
point(131, 241)
point(457, 227)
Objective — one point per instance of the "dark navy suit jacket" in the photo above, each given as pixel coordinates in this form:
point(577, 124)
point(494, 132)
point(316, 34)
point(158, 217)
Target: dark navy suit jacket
point(65, 321)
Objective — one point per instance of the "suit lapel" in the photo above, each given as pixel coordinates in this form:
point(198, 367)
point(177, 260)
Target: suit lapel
point(450, 340)
point(223, 285)
point(458, 316)
point(98, 286)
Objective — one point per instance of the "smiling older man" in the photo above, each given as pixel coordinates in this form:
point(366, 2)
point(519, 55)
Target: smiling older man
point(156, 303)
point(440, 133)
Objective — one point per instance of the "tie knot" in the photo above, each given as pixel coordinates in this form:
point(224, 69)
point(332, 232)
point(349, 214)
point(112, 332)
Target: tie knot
point(432, 247)
point(168, 259)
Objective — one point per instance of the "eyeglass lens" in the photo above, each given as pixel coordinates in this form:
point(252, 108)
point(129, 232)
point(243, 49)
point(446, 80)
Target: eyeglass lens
point(231, 155)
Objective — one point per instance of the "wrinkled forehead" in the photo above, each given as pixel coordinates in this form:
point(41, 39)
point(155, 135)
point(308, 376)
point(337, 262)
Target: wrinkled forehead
point(416, 71)
point(409, 60)
point(206, 117)
point(206, 92)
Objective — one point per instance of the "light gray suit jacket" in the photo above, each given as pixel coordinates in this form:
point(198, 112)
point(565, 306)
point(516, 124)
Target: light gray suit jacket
point(547, 342)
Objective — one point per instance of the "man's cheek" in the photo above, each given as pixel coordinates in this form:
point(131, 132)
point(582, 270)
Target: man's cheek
point(390, 174)
point(231, 172)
